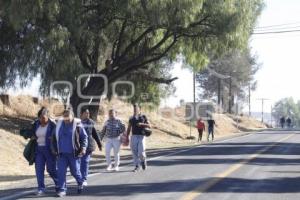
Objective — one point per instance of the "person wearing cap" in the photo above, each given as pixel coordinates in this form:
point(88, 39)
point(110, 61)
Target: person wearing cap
point(69, 143)
point(112, 130)
point(136, 125)
point(89, 126)
point(43, 129)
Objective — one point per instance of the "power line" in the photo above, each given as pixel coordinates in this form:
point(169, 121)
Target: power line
point(277, 25)
point(277, 29)
point(275, 32)
point(275, 36)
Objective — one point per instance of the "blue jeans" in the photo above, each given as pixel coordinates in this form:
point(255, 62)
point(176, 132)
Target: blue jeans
point(44, 158)
point(138, 148)
point(84, 165)
point(64, 161)
point(210, 132)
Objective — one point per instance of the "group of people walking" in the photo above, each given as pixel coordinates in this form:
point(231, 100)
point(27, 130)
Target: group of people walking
point(69, 143)
point(284, 121)
point(201, 128)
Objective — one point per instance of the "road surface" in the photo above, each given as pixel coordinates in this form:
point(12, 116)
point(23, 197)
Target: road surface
point(257, 166)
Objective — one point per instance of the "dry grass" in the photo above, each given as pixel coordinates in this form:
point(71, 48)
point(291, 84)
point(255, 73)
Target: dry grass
point(13, 163)
point(23, 106)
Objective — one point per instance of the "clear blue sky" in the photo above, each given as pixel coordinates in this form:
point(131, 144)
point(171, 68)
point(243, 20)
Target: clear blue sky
point(279, 54)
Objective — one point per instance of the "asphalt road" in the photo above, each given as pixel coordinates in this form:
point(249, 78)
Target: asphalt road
point(258, 166)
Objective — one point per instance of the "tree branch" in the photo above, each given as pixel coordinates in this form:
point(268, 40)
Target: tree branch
point(156, 79)
point(117, 53)
point(134, 43)
point(82, 58)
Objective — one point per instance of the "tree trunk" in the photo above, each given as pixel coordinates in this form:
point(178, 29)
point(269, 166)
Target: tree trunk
point(78, 104)
point(95, 87)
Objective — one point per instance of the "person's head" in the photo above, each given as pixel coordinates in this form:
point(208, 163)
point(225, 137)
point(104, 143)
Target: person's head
point(200, 119)
point(111, 113)
point(43, 115)
point(85, 114)
point(68, 115)
point(136, 109)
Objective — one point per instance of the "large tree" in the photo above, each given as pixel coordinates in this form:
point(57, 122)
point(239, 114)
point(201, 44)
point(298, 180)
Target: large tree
point(62, 39)
point(287, 107)
point(227, 77)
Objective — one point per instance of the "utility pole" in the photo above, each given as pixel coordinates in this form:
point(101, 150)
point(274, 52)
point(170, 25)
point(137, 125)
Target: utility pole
point(249, 100)
point(271, 116)
point(219, 92)
point(194, 88)
point(262, 108)
point(230, 94)
point(194, 103)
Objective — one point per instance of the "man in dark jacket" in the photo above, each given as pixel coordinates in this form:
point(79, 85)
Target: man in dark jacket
point(89, 126)
point(211, 126)
point(70, 143)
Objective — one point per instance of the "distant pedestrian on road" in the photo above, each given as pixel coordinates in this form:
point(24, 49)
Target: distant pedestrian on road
point(137, 124)
point(211, 125)
point(289, 122)
point(282, 121)
point(201, 128)
point(70, 143)
point(112, 130)
point(43, 129)
point(92, 136)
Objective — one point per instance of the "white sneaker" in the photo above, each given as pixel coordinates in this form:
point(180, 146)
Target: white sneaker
point(116, 169)
point(40, 193)
point(84, 183)
point(109, 168)
point(61, 194)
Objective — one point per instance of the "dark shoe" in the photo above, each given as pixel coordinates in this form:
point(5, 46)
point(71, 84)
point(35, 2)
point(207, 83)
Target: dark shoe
point(80, 189)
point(136, 169)
point(61, 194)
point(144, 165)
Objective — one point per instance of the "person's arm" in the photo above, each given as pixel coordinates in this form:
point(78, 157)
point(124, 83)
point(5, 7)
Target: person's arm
point(129, 128)
point(83, 139)
point(103, 131)
point(32, 133)
point(53, 144)
point(203, 126)
point(122, 127)
point(97, 138)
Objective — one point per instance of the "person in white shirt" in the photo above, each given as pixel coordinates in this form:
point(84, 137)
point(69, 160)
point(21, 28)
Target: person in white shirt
point(43, 129)
point(112, 129)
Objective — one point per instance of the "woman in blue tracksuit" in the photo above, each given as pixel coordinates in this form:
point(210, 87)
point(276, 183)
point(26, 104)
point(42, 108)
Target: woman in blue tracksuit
point(43, 128)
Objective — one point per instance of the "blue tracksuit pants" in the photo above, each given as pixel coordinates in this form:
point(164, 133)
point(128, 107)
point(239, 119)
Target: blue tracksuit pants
point(64, 161)
point(44, 158)
point(84, 165)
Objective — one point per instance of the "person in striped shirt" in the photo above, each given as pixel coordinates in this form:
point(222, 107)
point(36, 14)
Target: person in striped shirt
point(112, 130)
